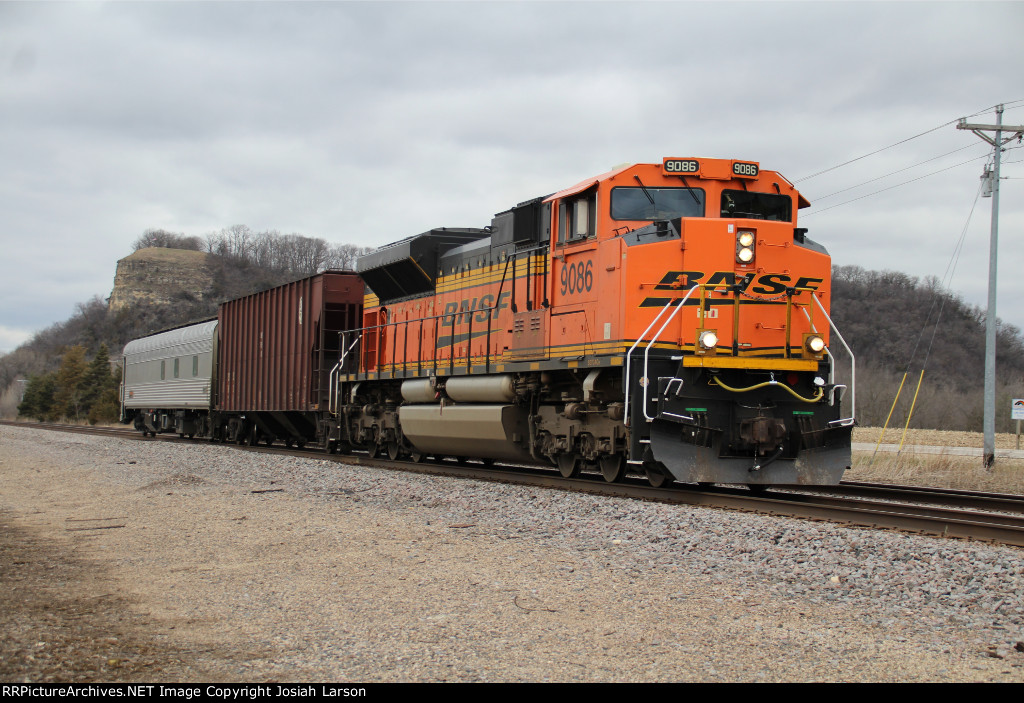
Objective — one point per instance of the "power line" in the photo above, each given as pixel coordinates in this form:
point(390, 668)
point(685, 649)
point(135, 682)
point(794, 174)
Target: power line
point(903, 141)
point(893, 173)
point(853, 200)
point(878, 151)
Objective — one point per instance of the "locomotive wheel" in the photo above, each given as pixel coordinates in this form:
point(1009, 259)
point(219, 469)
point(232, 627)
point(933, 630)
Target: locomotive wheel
point(569, 465)
point(656, 476)
point(394, 451)
point(613, 468)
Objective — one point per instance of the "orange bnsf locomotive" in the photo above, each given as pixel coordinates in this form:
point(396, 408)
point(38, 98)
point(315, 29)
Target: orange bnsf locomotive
point(668, 319)
point(664, 319)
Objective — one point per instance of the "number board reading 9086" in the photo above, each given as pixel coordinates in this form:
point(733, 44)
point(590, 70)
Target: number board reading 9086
point(681, 166)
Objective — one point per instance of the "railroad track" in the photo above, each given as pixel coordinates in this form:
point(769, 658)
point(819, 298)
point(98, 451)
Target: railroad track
point(989, 517)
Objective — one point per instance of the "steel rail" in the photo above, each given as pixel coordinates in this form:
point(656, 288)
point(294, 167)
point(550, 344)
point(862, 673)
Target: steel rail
point(949, 497)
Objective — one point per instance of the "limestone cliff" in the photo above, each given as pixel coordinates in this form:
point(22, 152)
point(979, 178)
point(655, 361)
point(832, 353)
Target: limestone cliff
point(160, 276)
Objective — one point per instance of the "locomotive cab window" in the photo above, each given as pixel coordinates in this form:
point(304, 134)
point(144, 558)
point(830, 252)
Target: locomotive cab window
point(757, 206)
point(577, 217)
point(632, 203)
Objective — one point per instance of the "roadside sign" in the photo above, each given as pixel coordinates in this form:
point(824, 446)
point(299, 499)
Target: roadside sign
point(1018, 409)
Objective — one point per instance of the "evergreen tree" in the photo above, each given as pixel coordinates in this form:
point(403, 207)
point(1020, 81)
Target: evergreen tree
point(96, 379)
point(38, 398)
point(69, 392)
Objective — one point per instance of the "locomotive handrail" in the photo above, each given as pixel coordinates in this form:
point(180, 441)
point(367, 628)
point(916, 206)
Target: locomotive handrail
point(629, 357)
point(654, 339)
point(846, 421)
point(703, 290)
point(376, 330)
point(332, 381)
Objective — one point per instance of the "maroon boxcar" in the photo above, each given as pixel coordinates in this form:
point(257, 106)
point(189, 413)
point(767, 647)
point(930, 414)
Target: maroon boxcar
point(277, 349)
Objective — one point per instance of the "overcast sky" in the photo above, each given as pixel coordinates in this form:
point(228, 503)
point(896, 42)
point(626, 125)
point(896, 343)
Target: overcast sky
point(367, 122)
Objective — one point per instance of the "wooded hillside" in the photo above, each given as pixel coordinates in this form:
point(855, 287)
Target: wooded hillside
point(896, 324)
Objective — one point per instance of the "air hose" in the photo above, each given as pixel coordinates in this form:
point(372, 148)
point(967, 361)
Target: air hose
point(820, 392)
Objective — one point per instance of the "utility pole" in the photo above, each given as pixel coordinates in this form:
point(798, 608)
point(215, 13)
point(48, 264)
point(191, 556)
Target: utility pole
point(997, 141)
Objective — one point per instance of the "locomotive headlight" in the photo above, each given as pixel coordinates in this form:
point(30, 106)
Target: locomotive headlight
point(707, 340)
point(814, 345)
point(745, 246)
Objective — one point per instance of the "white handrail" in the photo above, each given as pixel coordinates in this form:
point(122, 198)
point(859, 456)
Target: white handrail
point(332, 380)
point(629, 354)
point(654, 339)
point(853, 367)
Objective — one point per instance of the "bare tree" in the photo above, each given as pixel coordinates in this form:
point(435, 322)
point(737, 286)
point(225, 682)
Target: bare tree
point(167, 240)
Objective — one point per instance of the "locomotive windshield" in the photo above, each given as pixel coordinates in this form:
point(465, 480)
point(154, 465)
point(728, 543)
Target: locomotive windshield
point(757, 206)
point(629, 203)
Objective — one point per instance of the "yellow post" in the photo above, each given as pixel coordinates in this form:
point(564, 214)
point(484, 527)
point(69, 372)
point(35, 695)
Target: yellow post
point(912, 404)
point(889, 417)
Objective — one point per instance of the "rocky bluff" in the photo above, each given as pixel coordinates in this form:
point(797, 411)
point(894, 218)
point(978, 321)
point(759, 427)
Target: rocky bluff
point(159, 276)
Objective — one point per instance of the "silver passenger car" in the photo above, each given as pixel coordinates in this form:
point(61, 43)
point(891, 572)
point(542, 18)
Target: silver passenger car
point(168, 377)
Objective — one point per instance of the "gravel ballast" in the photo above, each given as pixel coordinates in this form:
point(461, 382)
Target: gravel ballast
point(219, 564)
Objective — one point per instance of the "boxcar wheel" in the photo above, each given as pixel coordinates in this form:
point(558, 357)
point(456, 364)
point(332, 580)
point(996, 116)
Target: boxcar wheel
point(569, 465)
point(394, 451)
point(373, 450)
point(613, 468)
point(417, 457)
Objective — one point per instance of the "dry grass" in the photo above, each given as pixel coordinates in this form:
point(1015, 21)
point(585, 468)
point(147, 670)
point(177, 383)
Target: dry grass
point(938, 438)
point(937, 470)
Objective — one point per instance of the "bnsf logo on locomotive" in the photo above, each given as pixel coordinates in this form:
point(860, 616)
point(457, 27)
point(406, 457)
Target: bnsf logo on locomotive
point(765, 284)
point(462, 311)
